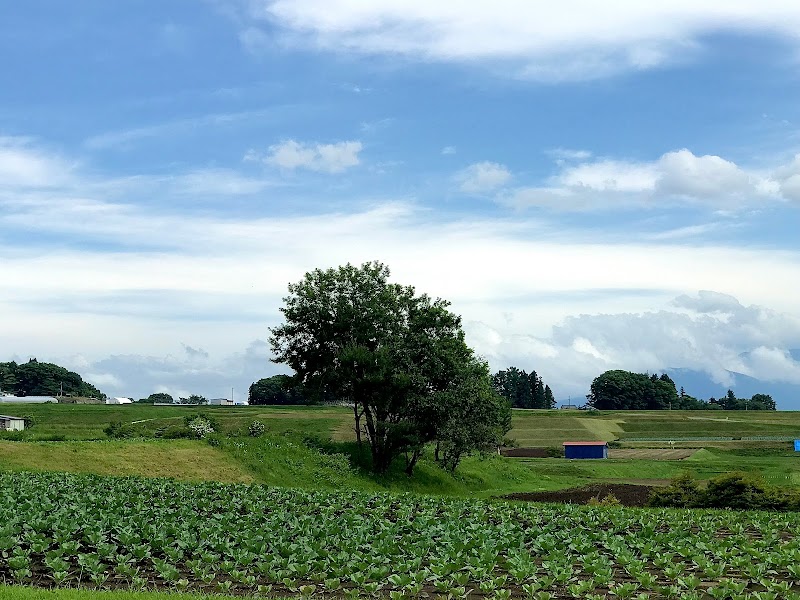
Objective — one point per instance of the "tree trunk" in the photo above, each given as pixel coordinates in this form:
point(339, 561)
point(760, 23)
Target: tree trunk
point(357, 416)
point(410, 463)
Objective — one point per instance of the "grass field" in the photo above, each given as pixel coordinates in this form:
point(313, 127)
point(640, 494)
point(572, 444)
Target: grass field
point(537, 428)
point(87, 421)
point(311, 447)
point(187, 460)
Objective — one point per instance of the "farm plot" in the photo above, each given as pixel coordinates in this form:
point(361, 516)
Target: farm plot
point(62, 530)
point(651, 453)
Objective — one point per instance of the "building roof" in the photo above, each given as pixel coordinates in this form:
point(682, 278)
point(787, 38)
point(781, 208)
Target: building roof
point(585, 443)
point(6, 418)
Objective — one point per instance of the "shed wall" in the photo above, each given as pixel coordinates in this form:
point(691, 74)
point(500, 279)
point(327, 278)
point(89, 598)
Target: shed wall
point(586, 451)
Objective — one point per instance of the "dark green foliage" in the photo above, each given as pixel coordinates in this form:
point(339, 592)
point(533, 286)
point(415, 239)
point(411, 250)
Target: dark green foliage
point(276, 390)
point(683, 492)
point(160, 397)
point(523, 390)
point(757, 402)
point(397, 357)
point(193, 399)
point(732, 490)
point(36, 378)
point(118, 430)
point(477, 418)
point(623, 390)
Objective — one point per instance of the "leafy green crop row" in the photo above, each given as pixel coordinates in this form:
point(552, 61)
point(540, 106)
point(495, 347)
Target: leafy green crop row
point(68, 530)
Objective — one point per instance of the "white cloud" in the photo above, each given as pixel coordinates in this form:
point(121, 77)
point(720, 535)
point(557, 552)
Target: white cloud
point(676, 177)
point(483, 177)
point(214, 284)
point(609, 175)
point(449, 150)
point(788, 180)
point(574, 39)
point(325, 158)
point(565, 154)
point(709, 332)
point(23, 165)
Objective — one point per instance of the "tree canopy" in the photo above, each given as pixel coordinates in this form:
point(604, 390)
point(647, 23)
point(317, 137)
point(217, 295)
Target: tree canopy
point(278, 389)
point(398, 358)
point(35, 378)
point(160, 397)
point(523, 390)
point(623, 390)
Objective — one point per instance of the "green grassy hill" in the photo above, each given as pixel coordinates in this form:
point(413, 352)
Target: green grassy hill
point(313, 447)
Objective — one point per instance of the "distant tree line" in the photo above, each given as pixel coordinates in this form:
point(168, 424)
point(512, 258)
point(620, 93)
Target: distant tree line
point(624, 390)
point(36, 378)
point(523, 390)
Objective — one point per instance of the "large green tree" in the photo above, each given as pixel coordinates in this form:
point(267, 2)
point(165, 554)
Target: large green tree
point(623, 390)
point(278, 389)
point(395, 356)
point(35, 378)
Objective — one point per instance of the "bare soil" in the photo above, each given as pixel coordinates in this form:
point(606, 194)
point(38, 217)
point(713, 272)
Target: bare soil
point(628, 494)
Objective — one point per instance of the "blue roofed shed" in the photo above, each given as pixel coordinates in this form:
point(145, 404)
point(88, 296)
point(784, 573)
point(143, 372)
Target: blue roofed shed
point(585, 449)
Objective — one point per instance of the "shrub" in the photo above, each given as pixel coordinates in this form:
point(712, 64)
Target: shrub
point(200, 426)
point(256, 429)
point(738, 490)
point(609, 501)
point(683, 492)
point(117, 430)
point(732, 490)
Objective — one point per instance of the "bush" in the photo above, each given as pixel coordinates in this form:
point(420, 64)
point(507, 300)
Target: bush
point(732, 490)
point(118, 430)
point(200, 426)
point(683, 492)
point(609, 501)
point(256, 429)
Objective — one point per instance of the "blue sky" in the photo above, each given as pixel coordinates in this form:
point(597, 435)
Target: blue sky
point(592, 188)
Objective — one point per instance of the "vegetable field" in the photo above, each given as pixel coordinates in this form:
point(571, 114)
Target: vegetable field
point(61, 530)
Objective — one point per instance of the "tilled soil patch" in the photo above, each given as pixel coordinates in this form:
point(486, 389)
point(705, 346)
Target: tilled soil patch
point(628, 494)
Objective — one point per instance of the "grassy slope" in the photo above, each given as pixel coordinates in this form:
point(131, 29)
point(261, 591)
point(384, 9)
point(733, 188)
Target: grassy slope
point(180, 459)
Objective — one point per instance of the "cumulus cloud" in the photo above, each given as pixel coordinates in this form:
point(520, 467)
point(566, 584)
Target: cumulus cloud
point(576, 39)
point(324, 158)
point(676, 177)
point(483, 177)
point(708, 331)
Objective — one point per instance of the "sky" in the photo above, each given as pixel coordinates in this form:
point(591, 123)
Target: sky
point(592, 186)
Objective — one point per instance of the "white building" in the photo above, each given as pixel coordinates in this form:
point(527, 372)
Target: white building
point(220, 402)
point(119, 401)
point(29, 399)
point(11, 423)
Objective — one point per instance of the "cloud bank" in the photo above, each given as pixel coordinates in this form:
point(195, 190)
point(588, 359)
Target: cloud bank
point(571, 40)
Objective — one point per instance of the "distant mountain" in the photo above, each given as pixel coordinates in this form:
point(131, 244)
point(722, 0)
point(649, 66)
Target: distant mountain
point(700, 385)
